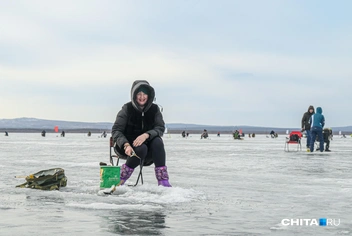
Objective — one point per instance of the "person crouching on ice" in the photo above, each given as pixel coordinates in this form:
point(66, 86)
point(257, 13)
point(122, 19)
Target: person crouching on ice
point(138, 129)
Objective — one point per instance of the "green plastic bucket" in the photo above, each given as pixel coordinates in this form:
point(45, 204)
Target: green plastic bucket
point(109, 175)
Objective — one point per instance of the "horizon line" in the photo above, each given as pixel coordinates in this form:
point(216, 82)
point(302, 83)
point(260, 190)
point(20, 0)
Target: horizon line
point(180, 123)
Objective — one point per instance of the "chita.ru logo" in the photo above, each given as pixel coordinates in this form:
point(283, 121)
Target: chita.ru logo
point(311, 222)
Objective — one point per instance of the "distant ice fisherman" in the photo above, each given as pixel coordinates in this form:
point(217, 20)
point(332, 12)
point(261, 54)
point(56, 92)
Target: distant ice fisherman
point(204, 134)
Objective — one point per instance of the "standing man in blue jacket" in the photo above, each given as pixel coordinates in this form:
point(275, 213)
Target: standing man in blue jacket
point(317, 122)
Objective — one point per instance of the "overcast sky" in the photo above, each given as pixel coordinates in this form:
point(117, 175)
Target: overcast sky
point(258, 63)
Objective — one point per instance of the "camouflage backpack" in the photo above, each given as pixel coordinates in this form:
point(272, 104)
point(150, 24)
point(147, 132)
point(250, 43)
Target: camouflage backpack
point(51, 179)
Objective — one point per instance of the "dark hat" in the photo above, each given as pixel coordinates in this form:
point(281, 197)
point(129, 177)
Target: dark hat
point(143, 89)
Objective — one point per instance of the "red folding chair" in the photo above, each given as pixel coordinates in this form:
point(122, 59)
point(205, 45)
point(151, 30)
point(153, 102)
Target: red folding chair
point(294, 139)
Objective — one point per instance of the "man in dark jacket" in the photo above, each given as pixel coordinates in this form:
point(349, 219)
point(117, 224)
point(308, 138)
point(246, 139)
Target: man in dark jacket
point(138, 129)
point(306, 125)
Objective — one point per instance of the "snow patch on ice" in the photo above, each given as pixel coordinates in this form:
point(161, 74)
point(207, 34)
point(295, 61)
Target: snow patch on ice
point(109, 206)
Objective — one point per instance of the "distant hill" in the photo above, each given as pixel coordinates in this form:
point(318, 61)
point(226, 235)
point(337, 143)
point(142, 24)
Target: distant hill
point(33, 125)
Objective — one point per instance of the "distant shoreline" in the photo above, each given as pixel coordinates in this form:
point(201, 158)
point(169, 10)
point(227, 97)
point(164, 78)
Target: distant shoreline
point(13, 130)
point(34, 125)
point(174, 131)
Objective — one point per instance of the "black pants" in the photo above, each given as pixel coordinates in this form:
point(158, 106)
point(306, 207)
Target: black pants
point(327, 146)
point(326, 140)
point(152, 151)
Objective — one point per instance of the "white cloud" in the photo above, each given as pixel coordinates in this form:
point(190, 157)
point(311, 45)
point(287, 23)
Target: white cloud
point(313, 67)
point(113, 64)
point(198, 64)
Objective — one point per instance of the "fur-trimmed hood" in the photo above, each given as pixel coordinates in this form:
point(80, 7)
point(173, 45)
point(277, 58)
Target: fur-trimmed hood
point(135, 86)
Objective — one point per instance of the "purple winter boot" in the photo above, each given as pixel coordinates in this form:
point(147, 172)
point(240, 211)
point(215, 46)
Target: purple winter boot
point(126, 173)
point(162, 176)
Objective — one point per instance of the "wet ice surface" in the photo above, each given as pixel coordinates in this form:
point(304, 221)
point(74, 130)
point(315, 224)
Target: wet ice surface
point(221, 186)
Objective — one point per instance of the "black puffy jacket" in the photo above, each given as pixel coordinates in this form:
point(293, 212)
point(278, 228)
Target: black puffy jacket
point(132, 121)
point(305, 119)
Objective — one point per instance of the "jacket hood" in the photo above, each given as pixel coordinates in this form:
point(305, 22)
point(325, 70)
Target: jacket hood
point(311, 107)
point(136, 84)
point(319, 110)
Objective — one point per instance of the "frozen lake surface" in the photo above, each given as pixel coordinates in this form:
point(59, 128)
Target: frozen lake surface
point(221, 186)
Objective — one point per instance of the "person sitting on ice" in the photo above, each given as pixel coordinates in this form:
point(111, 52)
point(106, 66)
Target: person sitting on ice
point(6, 134)
point(236, 134)
point(138, 129)
point(327, 135)
point(183, 134)
point(272, 134)
point(204, 134)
